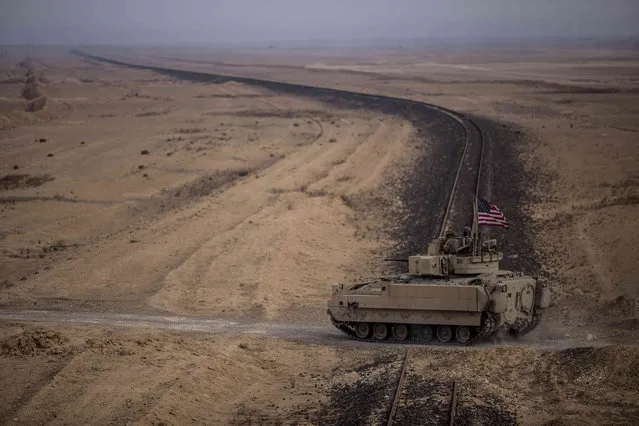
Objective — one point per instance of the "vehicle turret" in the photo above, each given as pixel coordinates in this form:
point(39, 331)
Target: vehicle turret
point(453, 257)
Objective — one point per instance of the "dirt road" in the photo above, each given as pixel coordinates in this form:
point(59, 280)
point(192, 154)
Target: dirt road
point(300, 333)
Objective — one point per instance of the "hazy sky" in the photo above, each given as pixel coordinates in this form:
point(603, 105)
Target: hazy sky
point(179, 21)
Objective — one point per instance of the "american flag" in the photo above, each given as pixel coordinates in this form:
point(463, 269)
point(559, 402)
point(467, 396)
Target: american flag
point(490, 215)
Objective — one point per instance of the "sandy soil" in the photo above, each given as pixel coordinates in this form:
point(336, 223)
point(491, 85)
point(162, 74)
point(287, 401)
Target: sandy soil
point(103, 376)
point(136, 192)
point(190, 197)
point(86, 375)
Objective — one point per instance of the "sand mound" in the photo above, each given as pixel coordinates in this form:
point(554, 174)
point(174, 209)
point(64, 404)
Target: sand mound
point(34, 80)
point(36, 104)
point(19, 181)
point(206, 185)
point(203, 186)
point(31, 89)
point(21, 116)
point(34, 343)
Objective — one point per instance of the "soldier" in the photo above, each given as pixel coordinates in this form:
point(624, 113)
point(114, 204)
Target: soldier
point(451, 245)
point(467, 238)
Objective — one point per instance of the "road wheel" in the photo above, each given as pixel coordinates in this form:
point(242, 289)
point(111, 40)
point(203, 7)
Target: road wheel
point(400, 332)
point(380, 331)
point(426, 333)
point(444, 333)
point(462, 334)
point(363, 330)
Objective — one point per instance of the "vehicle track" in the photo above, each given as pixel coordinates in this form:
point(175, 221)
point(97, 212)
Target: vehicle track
point(299, 333)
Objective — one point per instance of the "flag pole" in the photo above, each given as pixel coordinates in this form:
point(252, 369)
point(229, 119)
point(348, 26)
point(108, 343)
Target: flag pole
point(475, 227)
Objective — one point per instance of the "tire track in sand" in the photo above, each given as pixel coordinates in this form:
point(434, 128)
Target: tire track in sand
point(303, 333)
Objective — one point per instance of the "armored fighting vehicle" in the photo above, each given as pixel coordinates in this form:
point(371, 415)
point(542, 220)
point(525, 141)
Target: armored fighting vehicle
point(456, 292)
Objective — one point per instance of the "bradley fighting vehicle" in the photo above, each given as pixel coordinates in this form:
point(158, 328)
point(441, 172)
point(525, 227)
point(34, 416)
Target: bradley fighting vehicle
point(454, 292)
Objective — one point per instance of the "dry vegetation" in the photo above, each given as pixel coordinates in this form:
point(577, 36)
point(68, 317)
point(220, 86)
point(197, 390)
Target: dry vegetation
point(130, 191)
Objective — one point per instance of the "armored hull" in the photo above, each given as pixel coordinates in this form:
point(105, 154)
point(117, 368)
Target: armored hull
point(463, 310)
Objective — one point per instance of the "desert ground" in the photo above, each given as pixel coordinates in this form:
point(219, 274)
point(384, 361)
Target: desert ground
point(132, 192)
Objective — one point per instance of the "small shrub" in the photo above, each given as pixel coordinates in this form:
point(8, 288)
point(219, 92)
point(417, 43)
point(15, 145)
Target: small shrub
point(191, 130)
